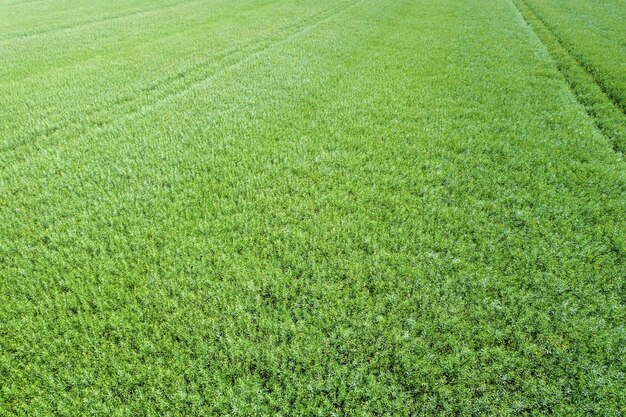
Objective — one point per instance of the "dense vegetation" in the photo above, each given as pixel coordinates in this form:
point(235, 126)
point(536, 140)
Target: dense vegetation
point(587, 42)
point(262, 207)
point(593, 32)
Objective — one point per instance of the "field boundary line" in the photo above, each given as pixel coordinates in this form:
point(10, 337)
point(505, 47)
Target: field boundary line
point(253, 48)
point(607, 116)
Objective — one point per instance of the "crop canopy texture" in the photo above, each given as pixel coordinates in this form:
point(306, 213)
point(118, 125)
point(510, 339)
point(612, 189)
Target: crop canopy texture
point(312, 208)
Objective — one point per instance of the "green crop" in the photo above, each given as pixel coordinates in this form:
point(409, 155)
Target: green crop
point(311, 208)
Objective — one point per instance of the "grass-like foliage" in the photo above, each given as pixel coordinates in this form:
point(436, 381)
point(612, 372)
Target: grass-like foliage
point(310, 208)
point(593, 33)
point(584, 40)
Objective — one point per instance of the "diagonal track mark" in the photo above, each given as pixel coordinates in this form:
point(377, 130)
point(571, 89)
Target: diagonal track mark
point(90, 22)
point(606, 114)
point(232, 59)
point(102, 111)
point(6, 77)
point(580, 62)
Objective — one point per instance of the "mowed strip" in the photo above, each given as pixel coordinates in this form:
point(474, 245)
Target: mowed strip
point(384, 208)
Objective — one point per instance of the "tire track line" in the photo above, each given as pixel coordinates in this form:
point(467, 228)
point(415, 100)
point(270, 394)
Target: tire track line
point(118, 53)
point(90, 22)
point(604, 112)
point(172, 91)
point(581, 62)
point(195, 72)
point(102, 110)
point(147, 93)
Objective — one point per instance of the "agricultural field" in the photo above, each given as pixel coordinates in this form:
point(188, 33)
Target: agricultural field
point(587, 40)
point(593, 32)
point(312, 208)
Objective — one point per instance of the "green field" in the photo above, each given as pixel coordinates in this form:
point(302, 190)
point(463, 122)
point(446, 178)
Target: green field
point(312, 208)
point(587, 40)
